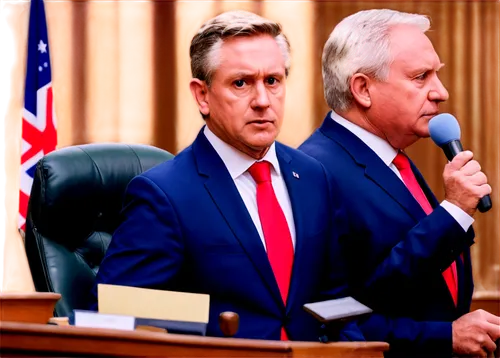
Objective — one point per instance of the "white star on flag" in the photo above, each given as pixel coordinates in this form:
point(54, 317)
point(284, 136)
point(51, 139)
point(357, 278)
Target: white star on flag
point(42, 47)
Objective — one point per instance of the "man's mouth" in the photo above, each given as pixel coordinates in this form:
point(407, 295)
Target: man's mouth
point(261, 121)
point(430, 114)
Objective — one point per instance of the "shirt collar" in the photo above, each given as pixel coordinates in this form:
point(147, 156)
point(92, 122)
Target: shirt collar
point(237, 163)
point(380, 146)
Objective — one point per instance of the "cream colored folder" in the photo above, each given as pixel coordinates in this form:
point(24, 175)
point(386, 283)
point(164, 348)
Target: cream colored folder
point(155, 304)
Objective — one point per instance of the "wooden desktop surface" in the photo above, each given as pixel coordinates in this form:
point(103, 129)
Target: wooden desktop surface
point(27, 339)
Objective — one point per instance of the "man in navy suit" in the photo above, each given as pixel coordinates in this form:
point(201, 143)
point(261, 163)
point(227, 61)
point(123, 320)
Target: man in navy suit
point(411, 259)
point(236, 215)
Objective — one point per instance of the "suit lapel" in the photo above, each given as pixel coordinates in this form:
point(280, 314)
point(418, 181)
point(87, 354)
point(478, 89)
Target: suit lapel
point(294, 188)
point(425, 188)
point(375, 168)
point(226, 197)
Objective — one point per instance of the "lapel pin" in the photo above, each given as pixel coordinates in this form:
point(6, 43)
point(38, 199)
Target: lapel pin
point(295, 175)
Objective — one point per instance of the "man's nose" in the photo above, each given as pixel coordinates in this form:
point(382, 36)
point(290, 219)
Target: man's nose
point(261, 96)
point(438, 93)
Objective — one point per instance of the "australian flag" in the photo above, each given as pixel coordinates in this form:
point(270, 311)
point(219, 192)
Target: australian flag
point(39, 135)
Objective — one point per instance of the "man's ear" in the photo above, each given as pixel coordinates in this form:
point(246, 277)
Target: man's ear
point(360, 89)
point(199, 89)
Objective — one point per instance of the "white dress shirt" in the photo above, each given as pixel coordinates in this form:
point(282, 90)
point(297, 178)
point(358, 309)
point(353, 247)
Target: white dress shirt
point(237, 164)
point(387, 153)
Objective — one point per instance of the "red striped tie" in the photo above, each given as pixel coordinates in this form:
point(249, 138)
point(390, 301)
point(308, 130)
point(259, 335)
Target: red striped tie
point(276, 232)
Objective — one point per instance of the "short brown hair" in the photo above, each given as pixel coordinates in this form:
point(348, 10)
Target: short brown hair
point(226, 25)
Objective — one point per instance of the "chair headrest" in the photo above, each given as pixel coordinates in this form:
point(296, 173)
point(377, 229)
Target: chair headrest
point(79, 190)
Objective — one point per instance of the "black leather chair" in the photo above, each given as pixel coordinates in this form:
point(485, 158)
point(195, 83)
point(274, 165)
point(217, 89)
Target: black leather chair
point(74, 208)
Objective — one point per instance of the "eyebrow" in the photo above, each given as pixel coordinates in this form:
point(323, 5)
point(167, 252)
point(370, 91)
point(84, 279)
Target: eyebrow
point(426, 69)
point(245, 74)
point(276, 74)
point(437, 68)
point(242, 74)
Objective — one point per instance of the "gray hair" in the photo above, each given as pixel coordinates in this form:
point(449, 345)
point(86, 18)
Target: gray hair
point(206, 43)
point(360, 44)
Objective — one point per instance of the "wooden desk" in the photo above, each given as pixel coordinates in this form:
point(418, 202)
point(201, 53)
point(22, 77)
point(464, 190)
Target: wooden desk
point(26, 339)
point(486, 300)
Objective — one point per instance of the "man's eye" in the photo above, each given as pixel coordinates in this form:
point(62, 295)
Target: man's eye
point(271, 81)
point(239, 83)
point(422, 77)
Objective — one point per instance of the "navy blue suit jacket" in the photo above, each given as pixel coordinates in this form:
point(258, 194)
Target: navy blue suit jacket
point(186, 228)
point(398, 255)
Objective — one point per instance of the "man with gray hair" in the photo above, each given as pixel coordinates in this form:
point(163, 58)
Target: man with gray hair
point(236, 215)
point(411, 259)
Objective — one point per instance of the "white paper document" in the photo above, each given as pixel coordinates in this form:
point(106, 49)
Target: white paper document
point(92, 319)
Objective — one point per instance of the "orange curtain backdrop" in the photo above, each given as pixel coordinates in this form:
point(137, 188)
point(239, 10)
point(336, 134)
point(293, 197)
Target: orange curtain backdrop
point(121, 73)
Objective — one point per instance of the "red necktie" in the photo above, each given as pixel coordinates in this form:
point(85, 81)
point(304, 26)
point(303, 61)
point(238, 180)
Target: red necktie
point(403, 164)
point(276, 232)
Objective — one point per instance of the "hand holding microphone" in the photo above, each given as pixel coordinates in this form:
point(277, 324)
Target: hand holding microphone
point(465, 185)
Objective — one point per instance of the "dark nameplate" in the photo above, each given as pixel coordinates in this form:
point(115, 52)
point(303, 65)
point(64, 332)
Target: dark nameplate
point(179, 327)
point(340, 309)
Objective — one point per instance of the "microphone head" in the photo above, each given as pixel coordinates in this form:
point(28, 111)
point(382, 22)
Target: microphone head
point(444, 128)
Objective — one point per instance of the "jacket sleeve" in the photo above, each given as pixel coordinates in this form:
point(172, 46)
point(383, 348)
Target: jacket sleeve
point(147, 248)
point(408, 337)
point(429, 247)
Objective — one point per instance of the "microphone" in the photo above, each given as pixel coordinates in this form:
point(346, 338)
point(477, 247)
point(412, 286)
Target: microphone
point(445, 132)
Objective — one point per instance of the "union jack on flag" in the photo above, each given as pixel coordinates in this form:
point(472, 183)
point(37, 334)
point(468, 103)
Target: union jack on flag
point(39, 122)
